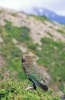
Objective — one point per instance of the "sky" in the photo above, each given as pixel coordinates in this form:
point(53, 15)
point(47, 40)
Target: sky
point(58, 6)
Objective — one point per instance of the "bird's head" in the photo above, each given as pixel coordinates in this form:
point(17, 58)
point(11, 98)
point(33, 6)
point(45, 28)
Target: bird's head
point(26, 59)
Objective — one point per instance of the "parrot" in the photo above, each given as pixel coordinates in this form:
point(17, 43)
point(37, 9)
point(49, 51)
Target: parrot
point(33, 73)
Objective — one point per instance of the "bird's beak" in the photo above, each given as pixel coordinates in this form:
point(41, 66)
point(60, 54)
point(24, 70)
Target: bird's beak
point(23, 59)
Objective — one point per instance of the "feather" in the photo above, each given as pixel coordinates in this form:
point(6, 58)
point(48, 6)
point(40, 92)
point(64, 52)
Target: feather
point(33, 72)
point(42, 86)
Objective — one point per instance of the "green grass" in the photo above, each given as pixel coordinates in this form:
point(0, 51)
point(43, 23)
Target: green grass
point(15, 90)
point(14, 14)
point(11, 53)
point(41, 18)
point(61, 31)
point(21, 34)
point(49, 34)
point(51, 55)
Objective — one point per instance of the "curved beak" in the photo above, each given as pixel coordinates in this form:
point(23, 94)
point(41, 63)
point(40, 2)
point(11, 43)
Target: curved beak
point(23, 59)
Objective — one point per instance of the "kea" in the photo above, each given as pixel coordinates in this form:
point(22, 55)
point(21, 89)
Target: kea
point(33, 73)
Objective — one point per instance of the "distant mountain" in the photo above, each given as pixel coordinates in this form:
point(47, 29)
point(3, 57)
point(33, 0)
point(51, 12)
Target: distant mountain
point(49, 14)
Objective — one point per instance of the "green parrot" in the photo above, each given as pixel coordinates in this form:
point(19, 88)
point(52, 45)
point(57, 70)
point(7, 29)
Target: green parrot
point(33, 73)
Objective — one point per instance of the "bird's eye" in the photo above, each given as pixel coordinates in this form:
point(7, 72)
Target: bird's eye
point(23, 60)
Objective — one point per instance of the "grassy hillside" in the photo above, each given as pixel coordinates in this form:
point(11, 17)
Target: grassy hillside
point(14, 90)
point(48, 46)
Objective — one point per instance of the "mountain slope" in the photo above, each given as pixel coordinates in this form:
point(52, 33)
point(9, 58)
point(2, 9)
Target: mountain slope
point(15, 90)
point(41, 38)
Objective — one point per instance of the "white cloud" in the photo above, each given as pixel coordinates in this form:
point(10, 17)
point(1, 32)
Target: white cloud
point(61, 12)
point(55, 5)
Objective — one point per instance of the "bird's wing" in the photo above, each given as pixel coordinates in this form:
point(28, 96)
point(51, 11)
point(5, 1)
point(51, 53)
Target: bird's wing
point(37, 82)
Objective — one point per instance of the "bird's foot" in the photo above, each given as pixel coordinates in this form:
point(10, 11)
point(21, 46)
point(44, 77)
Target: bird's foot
point(29, 88)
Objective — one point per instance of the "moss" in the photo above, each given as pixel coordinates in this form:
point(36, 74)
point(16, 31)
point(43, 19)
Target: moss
point(13, 90)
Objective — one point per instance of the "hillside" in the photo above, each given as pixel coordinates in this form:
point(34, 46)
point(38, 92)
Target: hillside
point(15, 90)
point(38, 36)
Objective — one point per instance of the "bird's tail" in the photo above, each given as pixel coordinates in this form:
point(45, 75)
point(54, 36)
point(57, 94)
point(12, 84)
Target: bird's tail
point(39, 84)
point(42, 86)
